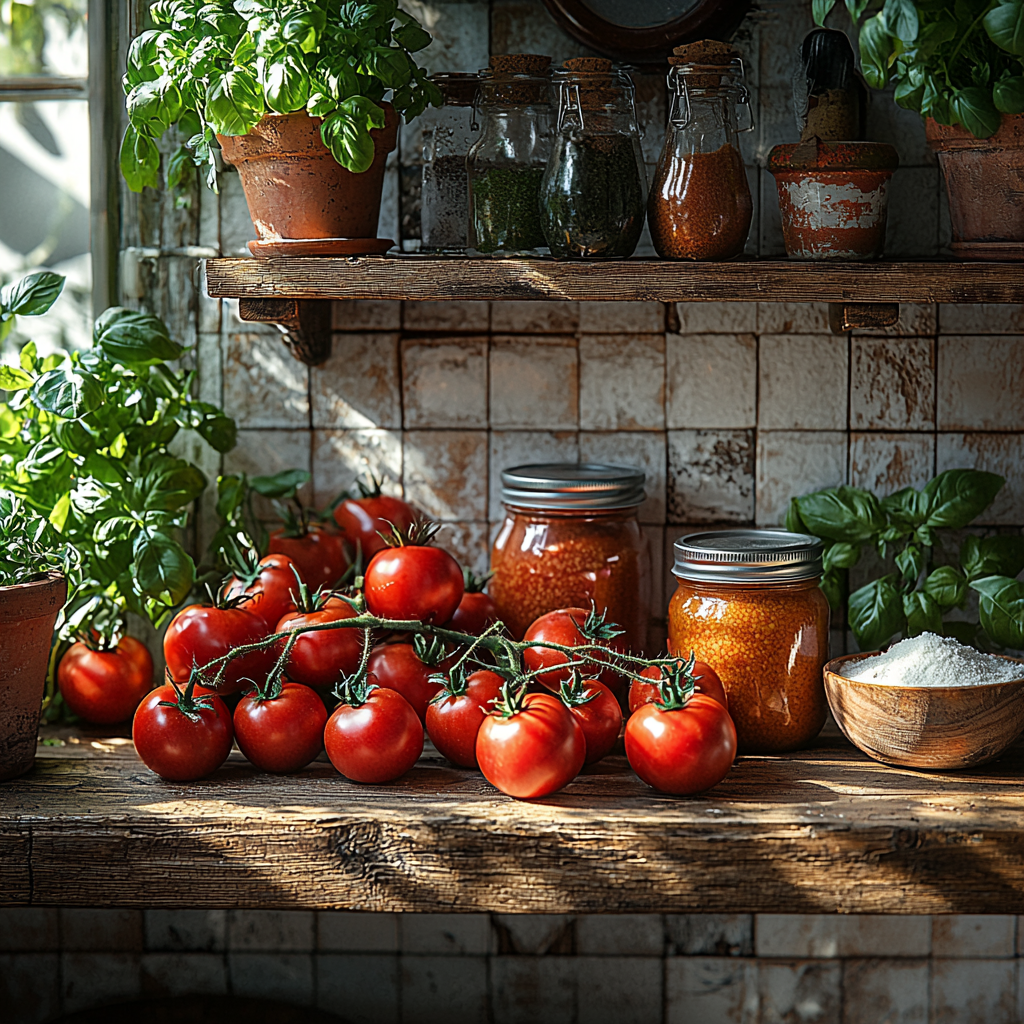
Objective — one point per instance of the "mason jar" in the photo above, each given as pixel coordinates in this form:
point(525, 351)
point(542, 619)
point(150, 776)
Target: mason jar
point(748, 603)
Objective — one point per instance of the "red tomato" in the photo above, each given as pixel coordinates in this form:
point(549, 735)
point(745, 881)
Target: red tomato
point(105, 686)
point(598, 713)
point(319, 659)
point(271, 586)
point(454, 720)
point(684, 750)
point(362, 520)
point(282, 733)
point(319, 553)
point(560, 627)
point(475, 613)
point(185, 741)
point(534, 751)
point(413, 582)
point(375, 741)
point(707, 682)
point(397, 667)
point(201, 632)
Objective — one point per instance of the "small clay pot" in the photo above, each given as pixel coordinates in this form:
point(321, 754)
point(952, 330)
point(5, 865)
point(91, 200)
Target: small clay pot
point(294, 187)
point(833, 198)
point(28, 612)
point(985, 183)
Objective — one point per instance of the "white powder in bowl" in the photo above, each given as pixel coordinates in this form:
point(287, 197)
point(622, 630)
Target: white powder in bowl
point(931, 660)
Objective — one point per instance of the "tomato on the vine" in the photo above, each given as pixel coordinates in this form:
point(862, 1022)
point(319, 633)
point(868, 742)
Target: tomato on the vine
point(105, 685)
point(570, 627)
point(318, 551)
point(269, 584)
point(373, 735)
point(320, 658)
point(530, 745)
point(406, 669)
point(281, 730)
point(456, 713)
point(182, 735)
point(477, 609)
point(362, 520)
point(596, 709)
point(706, 681)
point(413, 580)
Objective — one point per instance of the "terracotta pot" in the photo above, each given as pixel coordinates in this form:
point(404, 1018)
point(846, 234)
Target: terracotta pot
point(985, 183)
point(833, 197)
point(28, 612)
point(294, 187)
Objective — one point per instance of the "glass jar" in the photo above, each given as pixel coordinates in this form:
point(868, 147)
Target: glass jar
point(448, 133)
point(507, 161)
point(700, 205)
point(571, 537)
point(594, 194)
point(748, 603)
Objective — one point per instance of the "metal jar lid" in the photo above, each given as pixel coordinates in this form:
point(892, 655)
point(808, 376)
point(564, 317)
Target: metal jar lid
point(747, 556)
point(572, 485)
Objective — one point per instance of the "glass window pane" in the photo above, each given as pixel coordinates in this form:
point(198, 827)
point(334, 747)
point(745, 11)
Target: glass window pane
point(44, 37)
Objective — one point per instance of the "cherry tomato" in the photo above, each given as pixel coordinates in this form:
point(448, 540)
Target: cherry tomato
point(397, 667)
point(475, 613)
point(454, 720)
point(413, 582)
point(532, 751)
point(561, 627)
point(319, 659)
point(186, 741)
point(271, 585)
point(105, 686)
point(684, 750)
point(282, 733)
point(376, 740)
point(202, 632)
point(707, 682)
point(363, 520)
point(598, 713)
point(319, 553)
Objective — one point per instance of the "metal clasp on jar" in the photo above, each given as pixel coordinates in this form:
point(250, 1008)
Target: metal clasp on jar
point(678, 87)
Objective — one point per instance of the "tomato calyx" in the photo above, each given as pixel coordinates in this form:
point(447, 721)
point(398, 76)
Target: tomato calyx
point(474, 584)
point(677, 684)
point(431, 652)
point(596, 626)
point(188, 702)
point(247, 569)
point(512, 698)
point(219, 599)
point(419, 535)
point(572, 692)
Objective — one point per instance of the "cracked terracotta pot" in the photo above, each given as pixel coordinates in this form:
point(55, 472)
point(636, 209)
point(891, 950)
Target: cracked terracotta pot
point(28, 612)
point(297, 191)
point(833, 197)
point(985, 183)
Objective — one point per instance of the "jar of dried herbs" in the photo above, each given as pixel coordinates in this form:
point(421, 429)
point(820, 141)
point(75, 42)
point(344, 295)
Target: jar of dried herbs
point(594, 193)
point(506, 163)
point(448, 133)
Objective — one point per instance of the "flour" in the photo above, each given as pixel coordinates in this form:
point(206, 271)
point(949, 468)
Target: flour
point(931, 660)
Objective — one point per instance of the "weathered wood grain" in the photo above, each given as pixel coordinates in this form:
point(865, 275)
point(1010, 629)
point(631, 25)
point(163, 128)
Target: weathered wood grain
point(823, 830)
point(432, 278)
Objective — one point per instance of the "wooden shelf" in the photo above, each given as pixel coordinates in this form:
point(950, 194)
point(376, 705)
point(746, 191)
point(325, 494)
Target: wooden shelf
point(819, 831)
point(437, 278)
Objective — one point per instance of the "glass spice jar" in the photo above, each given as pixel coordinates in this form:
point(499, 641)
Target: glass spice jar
point(507, 161)
point(448, 133)
point(748, 603)
point(594, 194)
point(571, 537)
point(700, 206)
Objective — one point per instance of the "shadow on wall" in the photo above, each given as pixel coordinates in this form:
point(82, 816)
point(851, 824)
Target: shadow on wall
point(201, 1010)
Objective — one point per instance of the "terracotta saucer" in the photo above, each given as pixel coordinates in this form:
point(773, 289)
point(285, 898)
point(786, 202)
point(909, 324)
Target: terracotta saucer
point(996, 252)
point(321, 247)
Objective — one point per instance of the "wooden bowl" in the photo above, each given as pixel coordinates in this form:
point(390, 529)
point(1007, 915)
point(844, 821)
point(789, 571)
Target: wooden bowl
point(925, 726)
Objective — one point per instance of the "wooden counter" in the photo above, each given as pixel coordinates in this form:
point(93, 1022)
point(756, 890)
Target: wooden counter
point(823, 830)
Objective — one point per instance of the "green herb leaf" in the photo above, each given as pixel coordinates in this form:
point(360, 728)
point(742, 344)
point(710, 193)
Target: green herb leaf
point(281, 485)
point(219, 432)
point(140, 160)
point(841, 555)
point(946, 587)
point(975, 109)
point(923, 614)
point(67, 393)
point(1001, 609)
point(1005, 26)
point(876, 613)
point(14, 379)
point(908, 507)
point(1008, 95)
point(286, 84)
point(843, 514)
point(910, 562)
point(163, 569)
point(992, 556)
point(877, 51)
point(133, 338)
point(820, 10)
point(31, 295)
point(958, 496)
point(233, 102)
point(901, 19)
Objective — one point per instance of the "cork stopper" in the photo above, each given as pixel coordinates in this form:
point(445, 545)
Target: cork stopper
point(706, 52)
point(588, 65)
point(519, 64)
point(517, 79)
point(594, 79)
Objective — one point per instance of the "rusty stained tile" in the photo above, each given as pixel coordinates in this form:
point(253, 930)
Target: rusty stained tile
point(366, 315)
point(534, 382)
point(973, 992)
point(533, 989)
point(166, 975)
point(366, 985)
point(885, 990)
point(717, 317)
point(622, 317)
point(802, 382)
point(651, 113)
point(287, 977)
point(445, 382)
point(710, 934)
point(711, 990)
point(805, 991)
point(460, 34)
point(511, 448)
point(892, 384)
point(185, 930)
point(994, 453)
point(915, 320)
point(967, 936)
point(643, 449)
point(534, 316)
point(341, 457)
point(622, 381)
point(266, 452)
point(468, 543)
point(885, 463)
point(444, 473)
point(470, 317)
point(981, 383)
point(264, 384)
point(712, 380)
point(710, 476)
point(359, 384)
point(444, 989)
point(623, 990)
point(982, 318)
point(89, 980)
point(794, 462)
point(792, 317)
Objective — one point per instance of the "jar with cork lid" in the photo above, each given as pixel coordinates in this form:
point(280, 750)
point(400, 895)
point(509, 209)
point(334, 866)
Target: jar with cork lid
point(748, 603)
point(594, 194)
point(507, 161)
point(700, 205)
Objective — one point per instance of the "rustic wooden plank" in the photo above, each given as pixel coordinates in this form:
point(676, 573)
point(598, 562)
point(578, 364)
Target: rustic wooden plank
point(823, 830)
point(433, 278)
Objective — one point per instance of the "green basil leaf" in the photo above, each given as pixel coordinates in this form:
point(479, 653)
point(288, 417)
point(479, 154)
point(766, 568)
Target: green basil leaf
point(843, 513)
point(231, 492)
point(794, 523)
point(901, 19)
point(1005, 26)
point(13, 378)
point(281, 485)
point(841, 555)
point(910, 562)
point(391, 67)
point(67, 393)
point(163, 569)
point(946, 587)
point(992, 556)
point(30, 295)
point(877, 51)
point(219, 432)
point(958, 496)
point(74, 437)
point(133, 338)
point(154, 104)
point(140, 160)
point(876, 613)
point(141, 64)
point(832, 588)
point(909, 507)
point(168, 484)
point(175, 167)
point(411, 35)
point(908, 95)
point(1001, 609)
point(936, 101)
point(233, 102)
point(975, 109)
point(923, 614)
point(285, 84)
point(1008, 95)
point(349, 141)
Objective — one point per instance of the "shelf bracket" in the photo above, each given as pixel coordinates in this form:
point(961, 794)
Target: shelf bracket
point(305, 324)
point(848, 316)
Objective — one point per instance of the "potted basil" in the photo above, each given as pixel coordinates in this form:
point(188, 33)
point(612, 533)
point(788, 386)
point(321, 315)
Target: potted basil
point(295, 96)
point(961, 66)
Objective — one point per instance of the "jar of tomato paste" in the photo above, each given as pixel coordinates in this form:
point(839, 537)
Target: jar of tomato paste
point(571, 537)
point(748, 603)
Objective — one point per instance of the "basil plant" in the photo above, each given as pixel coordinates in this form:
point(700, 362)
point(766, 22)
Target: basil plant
point(215, 67)
point(959, 63)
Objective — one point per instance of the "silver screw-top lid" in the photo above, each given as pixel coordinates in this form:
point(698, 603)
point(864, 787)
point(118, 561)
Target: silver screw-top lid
point(747, 556)
point(572, 485)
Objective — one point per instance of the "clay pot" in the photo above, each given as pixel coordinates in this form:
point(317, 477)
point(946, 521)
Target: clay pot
point(985, 183)
point(833, 197)
point(28, 612)
point(294, 187)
